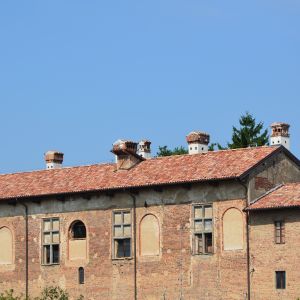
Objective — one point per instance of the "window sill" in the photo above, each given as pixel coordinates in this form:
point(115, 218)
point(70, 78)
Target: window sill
point(202, 254)
point(49, 265)
point(121, 258)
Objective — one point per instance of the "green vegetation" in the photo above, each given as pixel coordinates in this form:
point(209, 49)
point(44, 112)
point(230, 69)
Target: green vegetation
point(164, 151)
point(49, 293)
point(250, 134)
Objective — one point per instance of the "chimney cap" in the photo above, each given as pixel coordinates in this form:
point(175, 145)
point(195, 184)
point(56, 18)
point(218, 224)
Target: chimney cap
point(280, 124)
point(124, 146)
point(54, 156)
point(198, 137)
point(280, 129)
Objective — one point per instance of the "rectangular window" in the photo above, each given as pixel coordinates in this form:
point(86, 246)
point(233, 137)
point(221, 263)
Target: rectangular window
point(50, 241)
point(121, 234)
point(203, 226)
point(280, 279)
point(279, 232)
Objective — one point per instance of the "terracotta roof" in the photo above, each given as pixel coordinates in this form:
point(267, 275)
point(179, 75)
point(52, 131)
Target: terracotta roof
point(216, 165)
point(284, 196)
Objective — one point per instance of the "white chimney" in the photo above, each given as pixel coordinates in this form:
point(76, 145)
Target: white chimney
point(144, 149)
point(54, 159)
point(280, 134)
point(197, 142)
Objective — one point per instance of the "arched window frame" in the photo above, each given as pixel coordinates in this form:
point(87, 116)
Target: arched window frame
point(72, 239)
point(140, 235)
point(12, 246)
point(243, 229)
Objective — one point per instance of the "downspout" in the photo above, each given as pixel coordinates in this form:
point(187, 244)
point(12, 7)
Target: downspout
point(26, 248)
point(247, 242)
point(134, 245)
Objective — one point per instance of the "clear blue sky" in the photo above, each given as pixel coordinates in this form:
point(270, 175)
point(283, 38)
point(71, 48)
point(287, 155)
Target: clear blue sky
point(77, 75)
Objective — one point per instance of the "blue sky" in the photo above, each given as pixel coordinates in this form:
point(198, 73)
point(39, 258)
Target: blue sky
point(77, 75)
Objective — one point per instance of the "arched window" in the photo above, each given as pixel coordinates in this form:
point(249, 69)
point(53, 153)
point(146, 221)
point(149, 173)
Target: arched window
point(233, 230)
point(77, 241)
point(78, 230)
point(6, 242)
point(149, 236)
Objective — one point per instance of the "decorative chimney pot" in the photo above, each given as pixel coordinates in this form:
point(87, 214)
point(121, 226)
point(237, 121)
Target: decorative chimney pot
point(197, 142)
point(280, 134)
point(54, 159)
point(144, 149)
point(126, 154)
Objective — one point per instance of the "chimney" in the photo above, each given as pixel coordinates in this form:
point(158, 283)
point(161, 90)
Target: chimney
point(144, 149)
point(280, 134)
point(126, 156)
point(197, 142)
point(54, 159)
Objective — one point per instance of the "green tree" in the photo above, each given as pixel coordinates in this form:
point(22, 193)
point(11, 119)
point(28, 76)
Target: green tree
point(249, 134)
point(165, 151)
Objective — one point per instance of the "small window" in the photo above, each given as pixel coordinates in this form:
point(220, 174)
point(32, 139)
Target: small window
point(81, 275)
point(121, 234)
point(280, 279)
point(203, 225)
point(279, 232)
point(51, 241)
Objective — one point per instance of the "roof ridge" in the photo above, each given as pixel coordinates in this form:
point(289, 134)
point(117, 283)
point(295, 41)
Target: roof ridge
point(62, 168)
point(215, 151)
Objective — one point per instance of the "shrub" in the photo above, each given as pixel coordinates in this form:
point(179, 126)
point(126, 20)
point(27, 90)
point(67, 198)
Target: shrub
point(48, 293)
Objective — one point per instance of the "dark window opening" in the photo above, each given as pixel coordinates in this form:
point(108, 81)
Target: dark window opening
point(280, 280)
point(55, 255)
point(78, 230)
point(81, 275)
point(203, 243)
point(122, 248)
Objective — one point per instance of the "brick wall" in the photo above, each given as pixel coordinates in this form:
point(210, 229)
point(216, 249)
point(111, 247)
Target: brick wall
point(174, 273)
point(268, 257)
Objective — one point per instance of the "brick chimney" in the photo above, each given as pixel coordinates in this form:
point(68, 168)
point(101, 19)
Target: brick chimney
point(126, 154)
point(144, 149)
point(197, 142)
point(280, 134)
point(54, 159)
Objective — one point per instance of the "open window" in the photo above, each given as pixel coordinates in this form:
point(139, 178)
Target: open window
point(77, 241)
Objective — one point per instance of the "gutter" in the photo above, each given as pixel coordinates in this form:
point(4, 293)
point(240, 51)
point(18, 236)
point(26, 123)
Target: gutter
point(134, 246)
point(26, 248)
point(247, 241)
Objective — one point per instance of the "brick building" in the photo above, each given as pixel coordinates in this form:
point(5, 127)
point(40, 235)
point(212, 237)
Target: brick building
point(178, 227)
